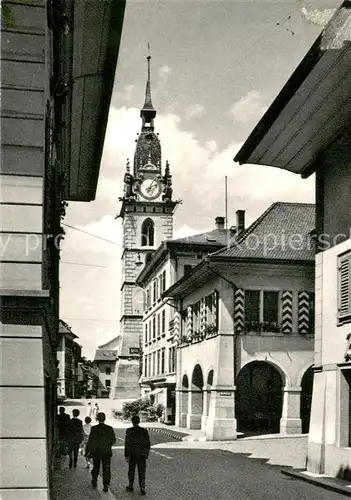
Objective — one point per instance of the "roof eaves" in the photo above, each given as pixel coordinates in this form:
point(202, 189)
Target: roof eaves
point(172, 290)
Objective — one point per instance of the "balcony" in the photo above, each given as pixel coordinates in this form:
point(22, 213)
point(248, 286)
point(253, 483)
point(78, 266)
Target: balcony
point(198, 336)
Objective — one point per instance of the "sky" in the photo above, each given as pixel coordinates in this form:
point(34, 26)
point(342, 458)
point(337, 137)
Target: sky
point(216, 67)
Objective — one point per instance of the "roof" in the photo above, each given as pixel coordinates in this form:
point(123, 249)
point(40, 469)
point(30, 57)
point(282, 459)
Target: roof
point(213, 240)
point(64, 329)
point(312, 109)
point(105, 355)
point(281, 232)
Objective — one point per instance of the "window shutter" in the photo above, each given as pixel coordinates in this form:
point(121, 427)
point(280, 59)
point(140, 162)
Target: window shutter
point(286, 299)
point(304, 312)
point(345, 286)
point(239, 310)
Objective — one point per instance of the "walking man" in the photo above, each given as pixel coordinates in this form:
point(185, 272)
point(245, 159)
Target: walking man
point(63, 423)
point(99, 446)
point(75, 437)
point(136, 452)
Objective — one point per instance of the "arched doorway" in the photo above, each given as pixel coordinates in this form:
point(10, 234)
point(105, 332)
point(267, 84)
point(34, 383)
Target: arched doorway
point(208, 387)
point(259, 398)
point(196, 398)
point(306, 399)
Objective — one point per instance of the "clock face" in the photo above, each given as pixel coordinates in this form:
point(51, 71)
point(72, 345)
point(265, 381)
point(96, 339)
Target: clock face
point(150, 188)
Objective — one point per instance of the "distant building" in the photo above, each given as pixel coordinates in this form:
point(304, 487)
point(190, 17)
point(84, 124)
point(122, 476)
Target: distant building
point(307, 130)
point(170, 262)
point(69, 354)
point(245, 327)
point(105, 360)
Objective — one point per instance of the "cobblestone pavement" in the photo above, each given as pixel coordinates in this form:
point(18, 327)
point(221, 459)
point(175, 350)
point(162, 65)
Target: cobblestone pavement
point(182, 471)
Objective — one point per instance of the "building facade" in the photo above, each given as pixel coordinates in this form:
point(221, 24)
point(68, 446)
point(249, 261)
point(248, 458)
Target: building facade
point(69, 354)
point(105, 362)
point(147, 219)
point(246, 331)
point(317, 140)
point(170, 262)
point(58, 67)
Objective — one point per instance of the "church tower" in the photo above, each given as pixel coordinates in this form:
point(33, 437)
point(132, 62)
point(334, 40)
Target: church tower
point(147, 220)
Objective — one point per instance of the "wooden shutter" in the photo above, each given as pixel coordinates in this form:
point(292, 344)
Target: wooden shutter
point(345, 286)
point(239, 299)
point(287, 316)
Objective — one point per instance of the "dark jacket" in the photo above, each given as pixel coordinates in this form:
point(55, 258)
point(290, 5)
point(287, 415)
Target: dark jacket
point(75, 433)
point(101, 440)
point(63, 423)
point(137, 443)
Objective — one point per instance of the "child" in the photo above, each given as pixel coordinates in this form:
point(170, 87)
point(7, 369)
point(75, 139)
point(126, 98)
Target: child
point(86, 429)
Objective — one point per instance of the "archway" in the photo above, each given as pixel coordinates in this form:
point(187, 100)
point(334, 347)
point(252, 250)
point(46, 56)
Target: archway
point(259, 398)
point(184, 401)
point(306, 399)
point(196, 398)
point(208, 387)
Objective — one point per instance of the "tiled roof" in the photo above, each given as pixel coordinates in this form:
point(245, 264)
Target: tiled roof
point(215, 237)
point(281, 232)
point(64, 329)
point(105, 355)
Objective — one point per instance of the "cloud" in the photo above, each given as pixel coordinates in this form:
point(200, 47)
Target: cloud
point(194, 111)
point(248, 107)
point(163, 75)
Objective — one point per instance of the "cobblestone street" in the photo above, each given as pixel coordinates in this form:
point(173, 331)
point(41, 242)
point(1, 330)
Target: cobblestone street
point(181, 470)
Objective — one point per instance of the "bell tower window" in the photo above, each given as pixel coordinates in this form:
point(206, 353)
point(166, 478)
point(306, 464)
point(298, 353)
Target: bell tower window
point(147, 233)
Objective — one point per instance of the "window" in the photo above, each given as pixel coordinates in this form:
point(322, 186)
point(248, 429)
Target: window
point(147, 233)
point(163, 281)
point(149, 366)
point(154, 327)
point(148, 298)
point(146, 333)
point(154, 291)
point(154, 363)
point(261, 310)
point(108, 370)
point(270, 307)
point(158, 326)
point(344, 315)
point(163, 360)
point(252, 306)
point(196, 317)
point(158, 361)
point(163, 321)
point(211, 309)
point(187, 269)
point(108, 384)
point(145, 365)
point(172, 359)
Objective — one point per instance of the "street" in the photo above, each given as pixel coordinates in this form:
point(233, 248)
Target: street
point(180, 473)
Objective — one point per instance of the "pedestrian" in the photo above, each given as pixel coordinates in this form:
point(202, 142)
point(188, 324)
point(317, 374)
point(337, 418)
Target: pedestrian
point(86, 430)
point(136, 452)
point(96, 411)
point(99, 446)
point(75, 437)
point(89, 410)
point(63, 423)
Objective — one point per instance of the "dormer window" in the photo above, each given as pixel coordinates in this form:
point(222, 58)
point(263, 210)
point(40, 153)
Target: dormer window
point(147, 233)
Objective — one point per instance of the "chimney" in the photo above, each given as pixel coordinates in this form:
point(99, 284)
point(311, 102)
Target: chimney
point(219, 222)
point(240, 221)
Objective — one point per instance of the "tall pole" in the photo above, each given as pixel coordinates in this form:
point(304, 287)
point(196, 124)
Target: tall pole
point(226, 207)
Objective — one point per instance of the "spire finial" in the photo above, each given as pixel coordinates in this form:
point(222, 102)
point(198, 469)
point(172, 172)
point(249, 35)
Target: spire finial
point(148, 112)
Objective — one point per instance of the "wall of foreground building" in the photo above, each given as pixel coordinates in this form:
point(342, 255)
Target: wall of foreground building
point(329, 447)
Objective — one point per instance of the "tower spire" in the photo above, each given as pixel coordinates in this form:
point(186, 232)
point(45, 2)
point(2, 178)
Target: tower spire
point(148, 112)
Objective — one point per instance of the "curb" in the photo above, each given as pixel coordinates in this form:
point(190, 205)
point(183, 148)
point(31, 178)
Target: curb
point(191, 439)
point(177, 437)
point(322, 482)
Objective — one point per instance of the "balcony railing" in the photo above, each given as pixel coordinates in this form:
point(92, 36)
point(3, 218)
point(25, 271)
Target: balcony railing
point(260, 327)
point(198, 336)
